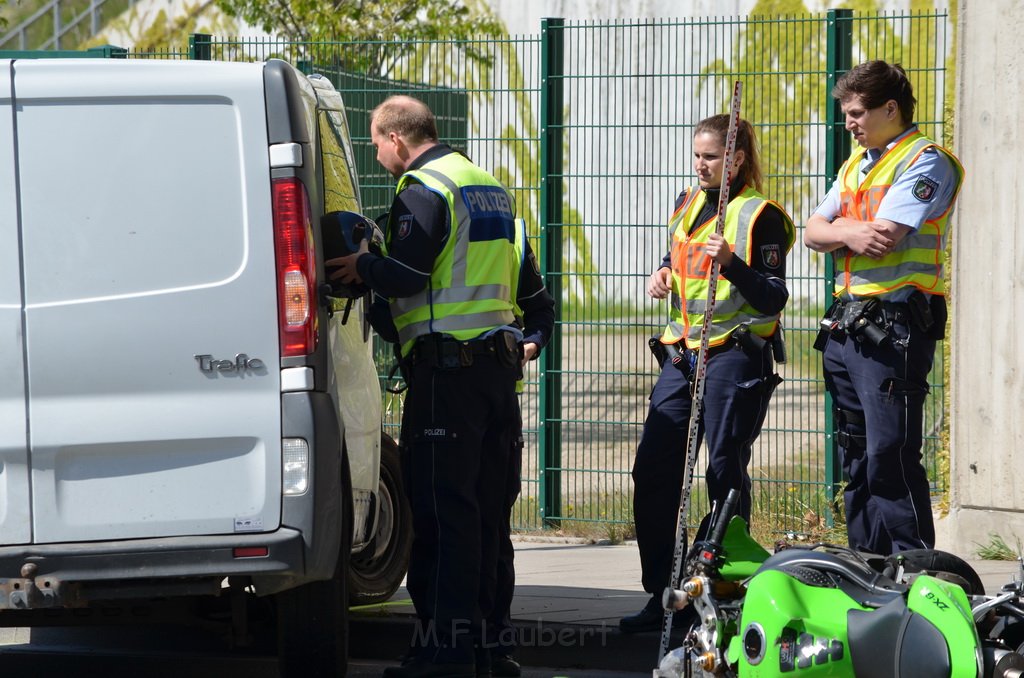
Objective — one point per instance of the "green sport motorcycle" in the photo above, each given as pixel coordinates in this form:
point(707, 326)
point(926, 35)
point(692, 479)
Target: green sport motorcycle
point(826, 610)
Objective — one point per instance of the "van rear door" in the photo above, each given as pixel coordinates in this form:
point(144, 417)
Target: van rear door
point(14, 495)
point(150, 299)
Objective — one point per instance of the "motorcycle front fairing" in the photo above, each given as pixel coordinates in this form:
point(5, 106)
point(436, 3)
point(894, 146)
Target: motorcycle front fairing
point(946, 606)
point(828, 615)
point(787, 624)
point(742, 556)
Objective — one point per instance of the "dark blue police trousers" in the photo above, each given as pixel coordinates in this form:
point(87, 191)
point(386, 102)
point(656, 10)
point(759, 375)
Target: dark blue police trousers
point(457, 430)
point(879, 394)
point(737, 390)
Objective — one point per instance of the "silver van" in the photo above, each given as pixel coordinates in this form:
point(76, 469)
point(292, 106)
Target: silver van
point(183, 413)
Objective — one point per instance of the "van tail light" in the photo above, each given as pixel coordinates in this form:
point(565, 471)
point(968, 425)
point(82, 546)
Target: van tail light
point(296, 277)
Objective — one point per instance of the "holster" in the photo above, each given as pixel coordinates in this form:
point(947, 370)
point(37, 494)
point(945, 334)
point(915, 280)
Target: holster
point(509, 352)
point(928, 314)
point(851, 442)
point(862, 319)
point(779, 345)
point(658, 350)
point(402, 366)
point(751, 343)
point(680, 357)
point(829, 325)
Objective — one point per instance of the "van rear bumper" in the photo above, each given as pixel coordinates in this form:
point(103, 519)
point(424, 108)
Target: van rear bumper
point(72, 575)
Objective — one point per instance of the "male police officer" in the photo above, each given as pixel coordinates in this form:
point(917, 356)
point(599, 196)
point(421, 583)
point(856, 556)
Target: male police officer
point(885, 221)
point(535, 310)
point(450, 272)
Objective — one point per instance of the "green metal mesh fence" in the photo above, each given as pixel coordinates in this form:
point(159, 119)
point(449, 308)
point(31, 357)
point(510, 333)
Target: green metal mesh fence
point(632, 92)
point(589, 125)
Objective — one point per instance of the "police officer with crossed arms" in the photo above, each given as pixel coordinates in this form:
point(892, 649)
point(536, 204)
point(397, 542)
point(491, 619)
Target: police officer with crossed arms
point(885, 221)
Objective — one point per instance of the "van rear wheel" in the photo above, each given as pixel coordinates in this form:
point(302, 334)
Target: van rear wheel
point(312, 619)
point(377, 572)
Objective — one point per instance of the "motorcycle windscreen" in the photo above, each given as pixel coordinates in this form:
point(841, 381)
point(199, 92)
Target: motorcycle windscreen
point(743, 555)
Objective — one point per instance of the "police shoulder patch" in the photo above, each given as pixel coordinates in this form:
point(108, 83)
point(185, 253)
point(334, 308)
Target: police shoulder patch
point(536, 266)
point(771, 255)
point(404, 226)
point(924, 189)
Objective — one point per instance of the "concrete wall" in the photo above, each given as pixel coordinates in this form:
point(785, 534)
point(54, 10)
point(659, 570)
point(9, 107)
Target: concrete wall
point(987, 370)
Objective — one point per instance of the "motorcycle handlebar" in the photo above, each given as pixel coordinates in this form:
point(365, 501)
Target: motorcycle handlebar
point(722, 522)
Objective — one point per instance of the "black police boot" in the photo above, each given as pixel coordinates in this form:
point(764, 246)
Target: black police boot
point(647, 619)
point(650, 618)
point(504, 666)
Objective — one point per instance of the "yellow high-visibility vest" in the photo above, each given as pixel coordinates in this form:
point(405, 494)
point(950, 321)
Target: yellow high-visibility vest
point(918, 259)
point(470, 287)
point(691, 268)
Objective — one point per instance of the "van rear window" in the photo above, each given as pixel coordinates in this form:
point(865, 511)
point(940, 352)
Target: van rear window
point(339, 163)
point(132, 195)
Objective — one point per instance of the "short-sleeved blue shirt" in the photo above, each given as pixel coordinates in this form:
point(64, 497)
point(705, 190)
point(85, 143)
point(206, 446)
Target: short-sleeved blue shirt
point(900, 205)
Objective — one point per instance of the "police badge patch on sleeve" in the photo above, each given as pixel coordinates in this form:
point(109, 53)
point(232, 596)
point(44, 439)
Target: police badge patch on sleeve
point(924, 189)
point(404, 226)
point(771, 255)
point(536, 266)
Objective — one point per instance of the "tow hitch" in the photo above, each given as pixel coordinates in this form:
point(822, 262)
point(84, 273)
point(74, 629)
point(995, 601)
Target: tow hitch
point(29, 592)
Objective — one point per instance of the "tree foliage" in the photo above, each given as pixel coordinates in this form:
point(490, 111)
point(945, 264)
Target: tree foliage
point(499, 69)
point(14, 12)
point(781, 89)
point(153, 31)
point(395, 22)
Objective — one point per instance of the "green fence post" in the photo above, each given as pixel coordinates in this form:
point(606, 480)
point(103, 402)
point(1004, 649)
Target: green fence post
point(551, 142)
point(837, 147)
point(305, 66)
point(200, 47)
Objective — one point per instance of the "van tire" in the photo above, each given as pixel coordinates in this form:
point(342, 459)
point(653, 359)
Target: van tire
point(377, 572)
point(312, 619)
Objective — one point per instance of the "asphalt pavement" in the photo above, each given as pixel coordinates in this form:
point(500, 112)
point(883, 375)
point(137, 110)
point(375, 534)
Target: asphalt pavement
point(568, 602)
point(569, 599)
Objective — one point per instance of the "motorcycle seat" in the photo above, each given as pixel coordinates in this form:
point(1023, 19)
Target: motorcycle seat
point(836, 570)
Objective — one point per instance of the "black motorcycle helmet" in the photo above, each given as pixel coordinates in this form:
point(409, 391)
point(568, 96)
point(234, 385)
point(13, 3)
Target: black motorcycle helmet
point(342, 233)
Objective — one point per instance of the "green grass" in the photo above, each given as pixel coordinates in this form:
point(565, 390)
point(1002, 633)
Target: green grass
point(998, 549)
point(781, 510)
point(593, 520)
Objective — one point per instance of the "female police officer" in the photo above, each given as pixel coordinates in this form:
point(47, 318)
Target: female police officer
point(740, 376)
